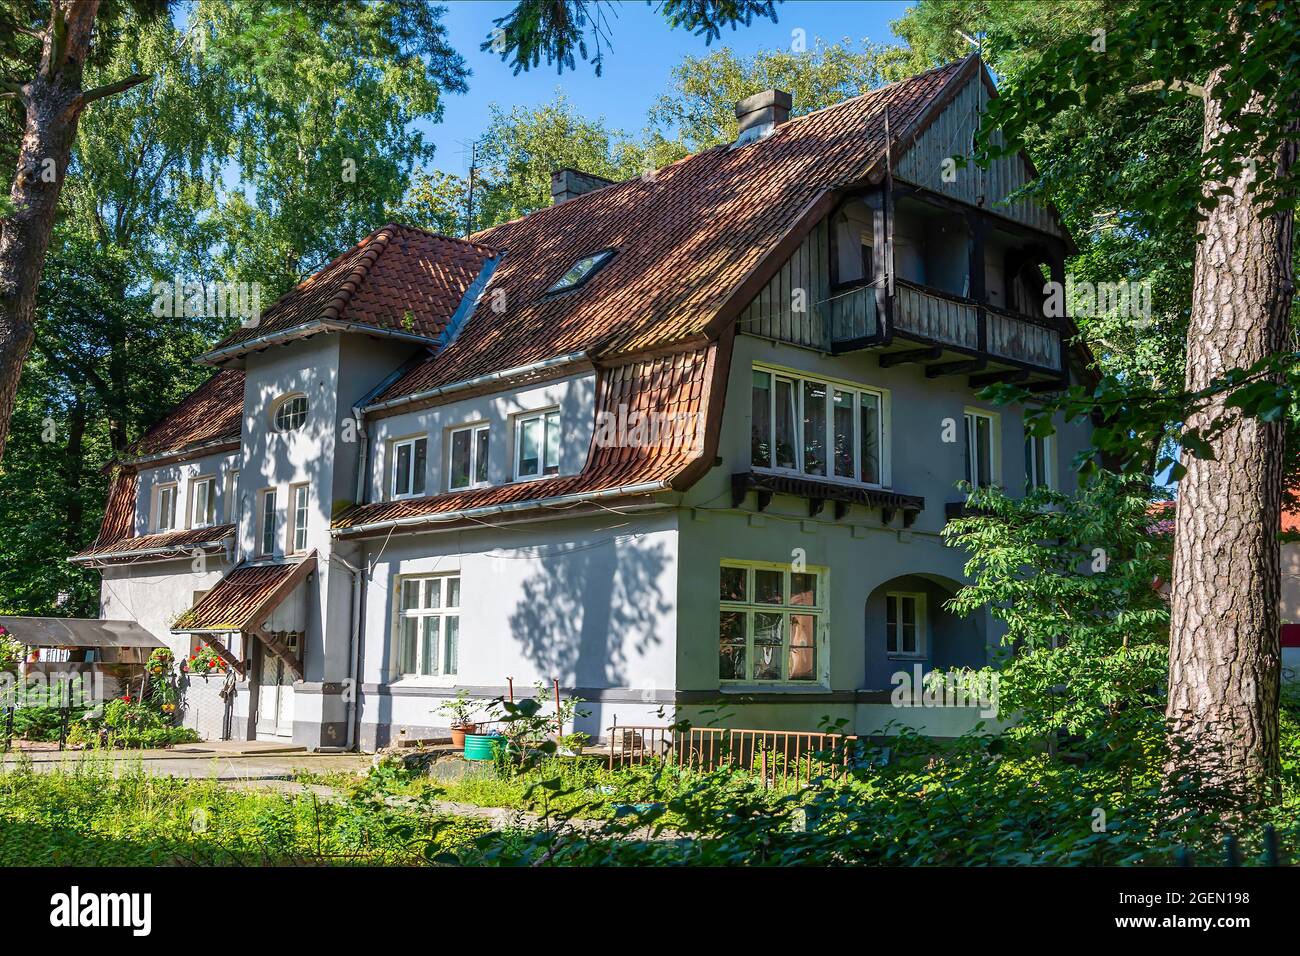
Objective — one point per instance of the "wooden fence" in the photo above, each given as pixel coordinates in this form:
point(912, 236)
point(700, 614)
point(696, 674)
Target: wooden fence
point(778, 757)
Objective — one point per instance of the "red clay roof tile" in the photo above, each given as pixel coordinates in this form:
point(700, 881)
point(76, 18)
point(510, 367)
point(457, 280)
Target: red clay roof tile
point(236, 599)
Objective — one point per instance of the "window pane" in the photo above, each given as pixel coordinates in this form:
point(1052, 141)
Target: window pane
point(1030, 477)
point(402, 470)
point(268, 523)
point(451, 645)
point(803, 589)
point(733, 584)
point(433, 592)
point(418, 469)
point(909, 638)
point(843, 434)
point(760, 433)
point(909, 610)
point(785, 424)
point(481, 456)
point(869, 413)
point(1040, 462)
point(453, 592)
point(530, 438)
point(407, 644)
point(768, 587)
point(429, 648)
point(410, 595)
point(985, 444)
point(731, 646)
point(767, 646)
point(460, 453)
point(814, 428)
point(970, 443)
point(802, 662)
point(552, 443)
point(891, 624)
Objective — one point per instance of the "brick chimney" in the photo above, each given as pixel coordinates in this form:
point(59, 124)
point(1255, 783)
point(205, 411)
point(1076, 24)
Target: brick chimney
point(567, 183)
point(761, 113)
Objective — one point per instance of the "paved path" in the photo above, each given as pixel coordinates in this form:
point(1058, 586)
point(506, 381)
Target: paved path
point(208, 764)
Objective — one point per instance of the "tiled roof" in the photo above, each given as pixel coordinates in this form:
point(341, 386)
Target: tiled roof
point(398, 279)
point(213, 412)
point(687, 239)
point(675, 387)
point(248, 591)
point(119, 510)
point(161, 545)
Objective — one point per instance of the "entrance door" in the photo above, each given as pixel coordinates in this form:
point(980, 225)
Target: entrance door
point(274, 698)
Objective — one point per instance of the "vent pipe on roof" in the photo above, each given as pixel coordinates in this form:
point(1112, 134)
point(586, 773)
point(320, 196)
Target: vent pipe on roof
point(567, 183)
point(761, 113)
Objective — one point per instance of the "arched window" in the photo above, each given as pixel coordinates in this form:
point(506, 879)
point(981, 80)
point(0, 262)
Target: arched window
point(290, 413)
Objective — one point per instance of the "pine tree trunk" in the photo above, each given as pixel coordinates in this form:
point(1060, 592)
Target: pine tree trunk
point(1224, 657)
point(53, 102)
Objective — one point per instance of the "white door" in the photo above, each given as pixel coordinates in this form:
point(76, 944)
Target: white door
point(274, 698)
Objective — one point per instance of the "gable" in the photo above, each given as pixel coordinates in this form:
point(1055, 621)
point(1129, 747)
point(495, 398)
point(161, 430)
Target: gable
point(926, 162)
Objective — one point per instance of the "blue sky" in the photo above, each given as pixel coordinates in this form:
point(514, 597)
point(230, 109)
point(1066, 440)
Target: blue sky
point(636, 68)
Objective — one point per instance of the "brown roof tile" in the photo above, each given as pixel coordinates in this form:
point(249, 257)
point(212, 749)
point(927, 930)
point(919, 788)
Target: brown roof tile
point(238, 598)
point(675, 387)
point(213, 412)
point(398, 278)
point(686, 238)
point(162, 544)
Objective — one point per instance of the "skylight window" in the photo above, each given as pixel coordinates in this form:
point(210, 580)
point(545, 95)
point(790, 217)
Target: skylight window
point(581, 271)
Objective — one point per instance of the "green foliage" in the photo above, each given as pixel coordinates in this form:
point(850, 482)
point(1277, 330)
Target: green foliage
point(557, 29)
point(127, 722)
point(1074, 578)
point(699, 109)
point(91, 816)
point(11, 652)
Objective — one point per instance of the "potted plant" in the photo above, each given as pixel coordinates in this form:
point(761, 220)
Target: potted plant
point(461, 711)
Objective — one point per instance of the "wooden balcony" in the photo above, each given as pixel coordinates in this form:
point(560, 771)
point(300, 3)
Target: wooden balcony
point(978, 335)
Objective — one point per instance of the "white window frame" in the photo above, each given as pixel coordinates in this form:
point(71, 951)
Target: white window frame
point(210, 517)
point(411, 491)
point(280, 403)
point(263, 512)
point(231, 508)
point(820, 610)
point(922, 633)
point(474, 431)
point(832, 385)
point(969, 415)
point(443, 611)
point(160, 492)
point(1048, 478)
point(299, 513)
point(543, 462)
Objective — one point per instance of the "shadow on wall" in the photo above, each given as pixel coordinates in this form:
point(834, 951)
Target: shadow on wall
point(591, 611)
point(946, 640)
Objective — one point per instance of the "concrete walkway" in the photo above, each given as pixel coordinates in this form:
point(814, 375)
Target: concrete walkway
point(201, 761)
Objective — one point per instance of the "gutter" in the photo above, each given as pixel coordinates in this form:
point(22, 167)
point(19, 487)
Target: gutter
point(186, 452)
point(489, 379)
point(648, 487)
point(307, 330)
point(177, 549)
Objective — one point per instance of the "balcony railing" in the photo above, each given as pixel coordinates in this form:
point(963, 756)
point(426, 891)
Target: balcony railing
point(849, 319)
point(949, 320)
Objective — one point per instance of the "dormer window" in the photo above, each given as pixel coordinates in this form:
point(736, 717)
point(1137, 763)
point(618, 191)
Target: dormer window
point(581, 271)
point(410, 458)
point(290, 413)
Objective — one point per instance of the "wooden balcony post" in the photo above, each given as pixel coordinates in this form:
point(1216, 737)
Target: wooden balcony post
point(977, 225)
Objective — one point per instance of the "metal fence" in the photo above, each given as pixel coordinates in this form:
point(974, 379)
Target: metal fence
point(777, 757)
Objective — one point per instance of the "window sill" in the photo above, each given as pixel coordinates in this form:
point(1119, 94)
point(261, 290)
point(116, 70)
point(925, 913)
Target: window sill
point(785, 687)
point(475, 487)
point(410, 680)
point(530, 478)
point(894, 656)
point(836, 480)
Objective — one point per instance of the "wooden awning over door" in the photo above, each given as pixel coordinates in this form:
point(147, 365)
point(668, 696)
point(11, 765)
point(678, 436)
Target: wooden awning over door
point(243, 601)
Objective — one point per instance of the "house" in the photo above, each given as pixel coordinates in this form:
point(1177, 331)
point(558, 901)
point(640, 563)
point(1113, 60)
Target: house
point(685, 443)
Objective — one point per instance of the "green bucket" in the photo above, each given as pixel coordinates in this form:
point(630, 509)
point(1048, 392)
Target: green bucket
point(484, 746)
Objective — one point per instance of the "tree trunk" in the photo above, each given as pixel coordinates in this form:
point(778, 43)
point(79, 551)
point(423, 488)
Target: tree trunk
point(53, 102)
point(1224, 657)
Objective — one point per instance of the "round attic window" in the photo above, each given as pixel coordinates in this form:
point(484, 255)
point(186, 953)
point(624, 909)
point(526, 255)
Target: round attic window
point(290, 413)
